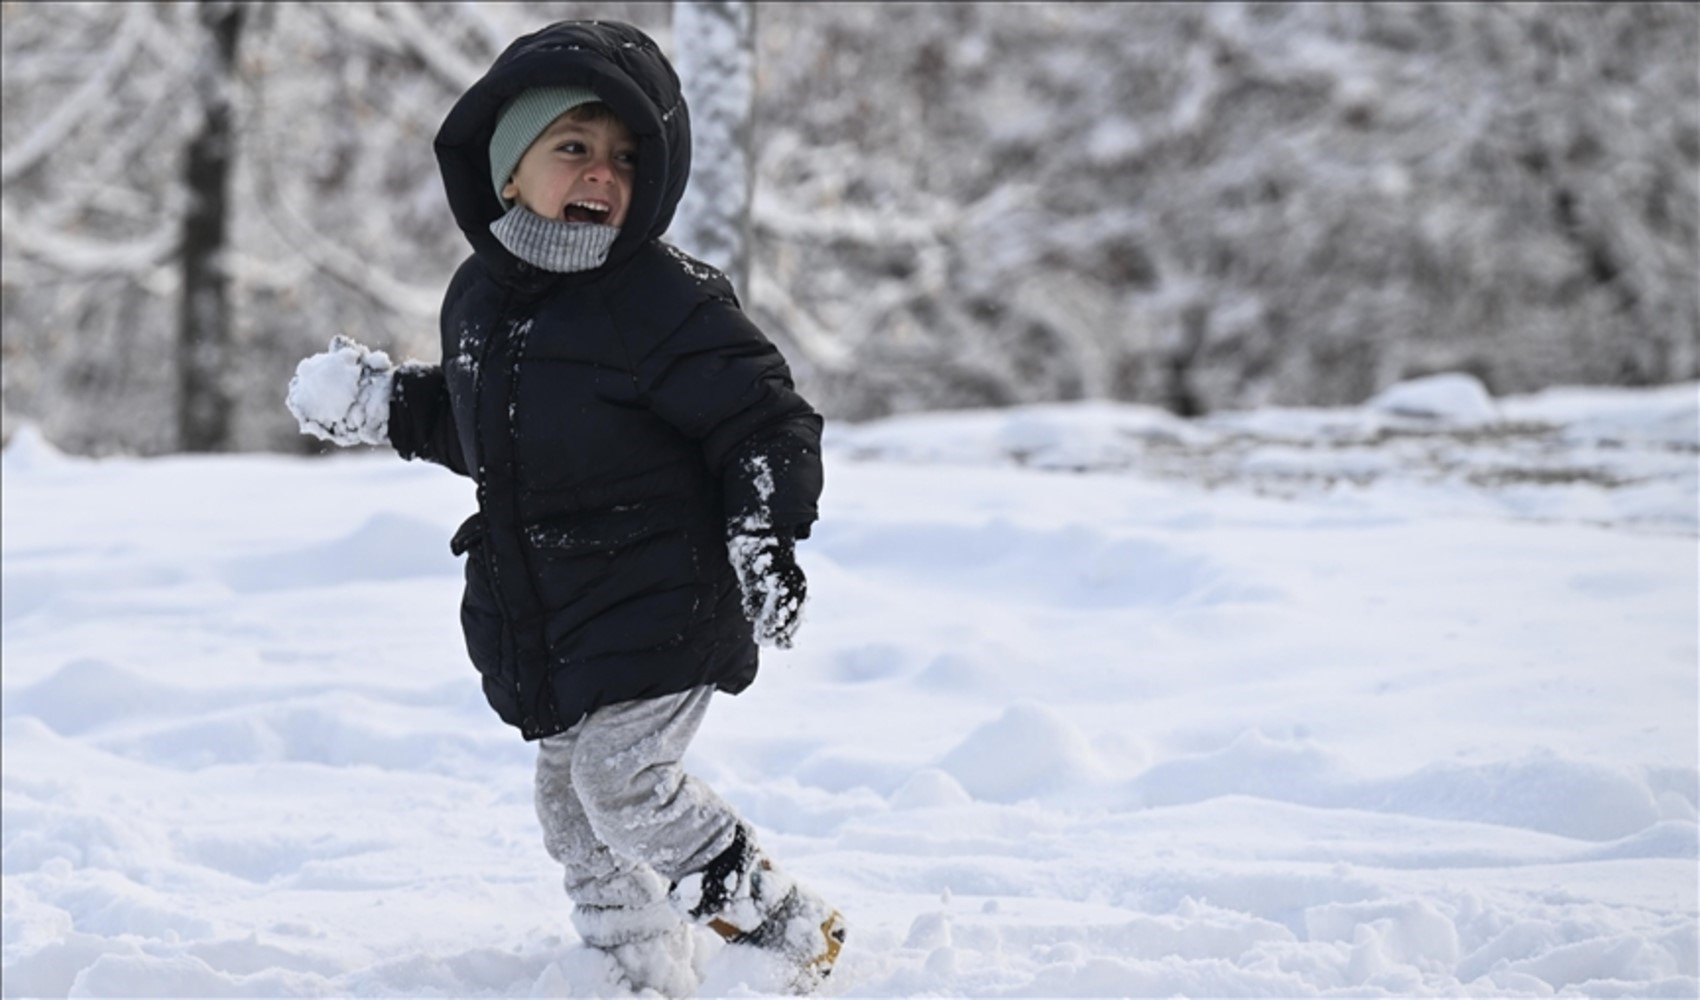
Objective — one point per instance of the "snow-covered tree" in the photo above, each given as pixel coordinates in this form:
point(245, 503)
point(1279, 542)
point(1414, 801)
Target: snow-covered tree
point(336, 220)
point(1196, 205)
point(97, 114)
point(714, 53)
point(1216, 205)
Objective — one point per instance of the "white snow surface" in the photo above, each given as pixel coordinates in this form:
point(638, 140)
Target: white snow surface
point(1089, 701)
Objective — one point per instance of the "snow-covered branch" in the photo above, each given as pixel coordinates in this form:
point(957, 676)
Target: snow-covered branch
point(427, 41)
point(776, 218)
point(399, 28)
point(412, 303)
point(1189, 205)
point(77, 107)
point(495, 31)
point(821, 349)
point(76, 255)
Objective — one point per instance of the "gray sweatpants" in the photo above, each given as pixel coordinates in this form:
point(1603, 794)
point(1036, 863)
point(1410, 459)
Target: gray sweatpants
point(624, 819)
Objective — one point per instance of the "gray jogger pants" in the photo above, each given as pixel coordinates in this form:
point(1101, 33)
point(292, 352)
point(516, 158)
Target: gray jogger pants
point(623, 818)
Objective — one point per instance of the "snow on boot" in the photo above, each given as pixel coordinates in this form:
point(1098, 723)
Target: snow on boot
point(804, 931)
point(745, 899)
point(662, 964)
point(651, 947)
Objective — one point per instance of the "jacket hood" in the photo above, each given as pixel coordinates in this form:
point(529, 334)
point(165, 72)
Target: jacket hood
point(627, 71)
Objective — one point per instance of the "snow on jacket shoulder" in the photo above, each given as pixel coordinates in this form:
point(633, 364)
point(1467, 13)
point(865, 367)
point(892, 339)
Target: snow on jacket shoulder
point(615, 422)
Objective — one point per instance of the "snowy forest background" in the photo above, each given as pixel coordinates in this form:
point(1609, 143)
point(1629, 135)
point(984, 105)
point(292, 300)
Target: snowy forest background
point(1197, 206)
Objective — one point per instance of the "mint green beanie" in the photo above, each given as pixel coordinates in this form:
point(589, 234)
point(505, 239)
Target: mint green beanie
point(523, 120)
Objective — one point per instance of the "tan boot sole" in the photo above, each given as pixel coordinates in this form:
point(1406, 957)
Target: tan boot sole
point(832, 928)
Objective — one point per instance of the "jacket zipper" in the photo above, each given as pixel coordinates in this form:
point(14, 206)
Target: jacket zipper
point(498, 328)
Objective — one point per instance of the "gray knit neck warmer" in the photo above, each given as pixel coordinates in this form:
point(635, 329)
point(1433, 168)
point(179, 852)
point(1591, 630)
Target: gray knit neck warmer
point(562, 247)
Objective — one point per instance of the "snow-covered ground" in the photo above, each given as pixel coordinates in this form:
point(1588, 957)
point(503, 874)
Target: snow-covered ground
point(1090, 701)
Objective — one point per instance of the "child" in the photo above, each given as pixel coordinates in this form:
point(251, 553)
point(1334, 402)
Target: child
point(643, 467)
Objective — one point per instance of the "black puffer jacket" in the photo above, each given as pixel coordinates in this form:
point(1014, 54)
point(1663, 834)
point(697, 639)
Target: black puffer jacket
point(615, 420)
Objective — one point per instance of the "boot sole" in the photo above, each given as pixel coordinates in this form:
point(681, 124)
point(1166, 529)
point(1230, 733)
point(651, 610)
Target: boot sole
point(832, 928)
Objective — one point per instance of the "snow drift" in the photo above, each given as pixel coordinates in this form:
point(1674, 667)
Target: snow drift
point(1089, 701)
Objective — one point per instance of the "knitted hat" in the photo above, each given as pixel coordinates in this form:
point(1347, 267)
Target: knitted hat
point(523, 120)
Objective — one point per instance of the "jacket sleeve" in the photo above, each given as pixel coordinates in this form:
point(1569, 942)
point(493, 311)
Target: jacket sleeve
point(421, 421)
point(721, 382)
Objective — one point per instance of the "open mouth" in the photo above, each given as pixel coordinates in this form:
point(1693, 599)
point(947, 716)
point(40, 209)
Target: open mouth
point(587, 211)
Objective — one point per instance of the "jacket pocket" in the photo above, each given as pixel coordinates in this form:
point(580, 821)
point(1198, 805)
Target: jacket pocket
point(489, 641)
point(607, 530)
point(619, 580)
point(470, 533)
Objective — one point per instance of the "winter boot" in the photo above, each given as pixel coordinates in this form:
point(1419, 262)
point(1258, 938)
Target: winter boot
point(803, 930)
point(650, 946)
point(745, 899)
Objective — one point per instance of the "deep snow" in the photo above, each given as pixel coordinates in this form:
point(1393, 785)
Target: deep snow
point(1087, 701)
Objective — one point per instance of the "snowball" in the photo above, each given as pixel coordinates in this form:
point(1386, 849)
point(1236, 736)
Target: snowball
point(342, 395)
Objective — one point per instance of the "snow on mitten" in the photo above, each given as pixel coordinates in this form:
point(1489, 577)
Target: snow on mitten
point(773, 584)
point(342, 395)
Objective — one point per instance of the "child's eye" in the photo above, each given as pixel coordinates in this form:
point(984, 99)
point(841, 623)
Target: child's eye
point(627, 158)
point(570, 147)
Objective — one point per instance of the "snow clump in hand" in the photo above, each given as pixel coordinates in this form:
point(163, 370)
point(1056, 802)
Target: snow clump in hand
point(342, 395)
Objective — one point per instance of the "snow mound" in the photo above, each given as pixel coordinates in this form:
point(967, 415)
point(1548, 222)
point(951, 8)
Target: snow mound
point(1076, 567)
point(1028, 751)
point(1665, 417)
point(30, 450)
point(1439, 445)
point(1453, 397)
point(1543, 792)
point(1253, 764)
point(89, 693)
point(1046, 733)
point(1405, 932)
point(387, 546)
point(930, 788)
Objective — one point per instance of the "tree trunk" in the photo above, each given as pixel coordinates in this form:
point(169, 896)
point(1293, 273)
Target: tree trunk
point(204, 317)
point(714, 47)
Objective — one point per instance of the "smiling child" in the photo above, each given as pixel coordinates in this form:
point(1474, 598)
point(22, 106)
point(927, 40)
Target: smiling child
point(644, 467)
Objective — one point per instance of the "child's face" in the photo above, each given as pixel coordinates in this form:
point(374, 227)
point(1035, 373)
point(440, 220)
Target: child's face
point(577, 171)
